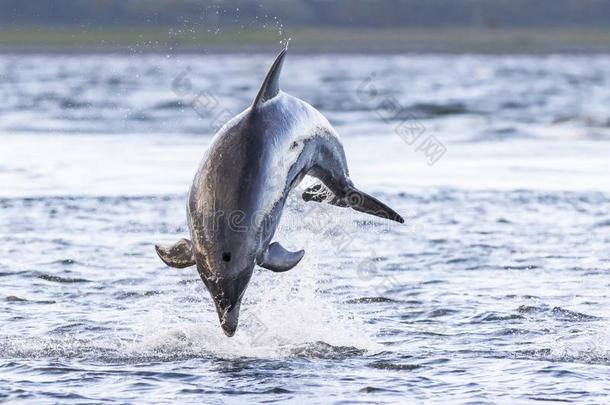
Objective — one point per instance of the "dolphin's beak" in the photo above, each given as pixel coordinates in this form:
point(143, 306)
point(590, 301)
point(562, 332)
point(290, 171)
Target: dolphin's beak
point(229, 319)
point(227, 295)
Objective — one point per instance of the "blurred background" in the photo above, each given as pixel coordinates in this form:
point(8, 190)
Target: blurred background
point(319, 25)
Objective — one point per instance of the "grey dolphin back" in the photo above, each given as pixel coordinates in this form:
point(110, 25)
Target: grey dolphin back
point(271, 84)
point(180, 255)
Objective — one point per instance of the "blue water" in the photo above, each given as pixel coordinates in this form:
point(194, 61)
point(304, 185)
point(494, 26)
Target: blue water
point(495, 289)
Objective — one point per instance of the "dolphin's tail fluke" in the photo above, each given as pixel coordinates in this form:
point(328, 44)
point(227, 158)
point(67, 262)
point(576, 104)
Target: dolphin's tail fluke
point(353, 198)
point(361, 201)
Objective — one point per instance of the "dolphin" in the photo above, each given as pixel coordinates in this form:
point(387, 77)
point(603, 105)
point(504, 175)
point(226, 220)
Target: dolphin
point(240, 189)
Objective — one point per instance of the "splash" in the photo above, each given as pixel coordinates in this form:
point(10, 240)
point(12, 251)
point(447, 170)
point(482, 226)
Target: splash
point(282, 315)
point(590, 347)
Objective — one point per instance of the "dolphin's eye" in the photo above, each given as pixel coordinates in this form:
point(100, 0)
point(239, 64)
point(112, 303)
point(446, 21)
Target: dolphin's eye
point(226, 256)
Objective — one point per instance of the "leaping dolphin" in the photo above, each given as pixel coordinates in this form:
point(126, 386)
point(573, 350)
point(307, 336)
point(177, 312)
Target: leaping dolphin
point(238, 194)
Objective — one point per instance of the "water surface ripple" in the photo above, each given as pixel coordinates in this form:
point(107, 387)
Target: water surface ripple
point(495, 290)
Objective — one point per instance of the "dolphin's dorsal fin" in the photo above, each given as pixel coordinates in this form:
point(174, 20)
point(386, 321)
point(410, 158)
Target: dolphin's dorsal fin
point(271, 84)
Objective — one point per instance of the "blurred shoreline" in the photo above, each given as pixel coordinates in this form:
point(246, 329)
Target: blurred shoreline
point(45, 40)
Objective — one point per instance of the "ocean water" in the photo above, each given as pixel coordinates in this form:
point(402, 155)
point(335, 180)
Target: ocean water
point(495, 290)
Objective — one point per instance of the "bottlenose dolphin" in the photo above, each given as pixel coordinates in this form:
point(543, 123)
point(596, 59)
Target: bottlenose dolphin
point(238, 194)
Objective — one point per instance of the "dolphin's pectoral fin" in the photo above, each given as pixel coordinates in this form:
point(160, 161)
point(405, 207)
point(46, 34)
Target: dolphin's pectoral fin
point(180, 255)
point(278, 259)
point(320, 193)
point(361, 201)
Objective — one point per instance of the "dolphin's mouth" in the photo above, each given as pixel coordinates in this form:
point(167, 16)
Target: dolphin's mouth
point(228, 330)
point(229, 319)
point(226, 293)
